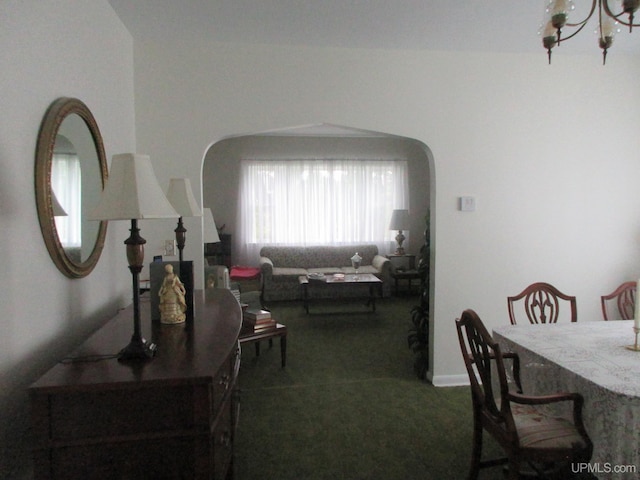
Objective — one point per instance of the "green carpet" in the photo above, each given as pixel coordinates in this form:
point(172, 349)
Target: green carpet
point(348, 405)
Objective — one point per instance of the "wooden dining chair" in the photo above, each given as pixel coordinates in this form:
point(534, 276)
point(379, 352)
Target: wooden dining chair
point(530, 437)
point(541, 303)
point(624, 299)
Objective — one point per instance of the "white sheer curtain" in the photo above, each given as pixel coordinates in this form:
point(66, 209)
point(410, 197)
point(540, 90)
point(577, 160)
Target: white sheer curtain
point(318, 202)
point(66, 182)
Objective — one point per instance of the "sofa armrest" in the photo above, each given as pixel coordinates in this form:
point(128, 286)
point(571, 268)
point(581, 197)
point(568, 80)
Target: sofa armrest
point(266, 267)
point(382, 264)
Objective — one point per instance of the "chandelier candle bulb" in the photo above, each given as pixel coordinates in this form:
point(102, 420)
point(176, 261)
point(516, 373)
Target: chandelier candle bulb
point(549, 31)
point(560, 6)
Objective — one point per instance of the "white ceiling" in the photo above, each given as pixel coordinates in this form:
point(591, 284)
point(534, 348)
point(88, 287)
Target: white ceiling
point(465, 25)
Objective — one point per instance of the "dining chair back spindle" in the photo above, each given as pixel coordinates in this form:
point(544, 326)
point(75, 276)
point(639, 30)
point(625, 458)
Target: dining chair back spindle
point(541, 303)
point(620, 304)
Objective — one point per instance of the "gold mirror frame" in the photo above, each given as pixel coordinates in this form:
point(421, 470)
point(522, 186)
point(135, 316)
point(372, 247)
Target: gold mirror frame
point(55, 115)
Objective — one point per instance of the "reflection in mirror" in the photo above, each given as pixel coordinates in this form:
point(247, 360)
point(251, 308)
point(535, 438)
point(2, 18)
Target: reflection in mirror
point(70, 174)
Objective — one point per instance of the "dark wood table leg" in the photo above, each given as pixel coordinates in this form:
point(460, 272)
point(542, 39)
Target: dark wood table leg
point(372, 297)
point(305, 294)
point(283, 350)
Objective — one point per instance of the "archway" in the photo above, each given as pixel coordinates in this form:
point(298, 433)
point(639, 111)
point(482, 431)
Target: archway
point(219, 191)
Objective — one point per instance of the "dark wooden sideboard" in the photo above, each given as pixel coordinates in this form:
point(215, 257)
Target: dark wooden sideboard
point(170, 417)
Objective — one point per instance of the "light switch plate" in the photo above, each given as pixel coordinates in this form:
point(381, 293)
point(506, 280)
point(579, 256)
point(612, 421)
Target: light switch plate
point(467, 204)
point(169, 248)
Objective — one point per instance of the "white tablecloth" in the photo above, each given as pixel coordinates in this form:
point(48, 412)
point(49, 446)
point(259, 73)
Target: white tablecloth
point(589, 358)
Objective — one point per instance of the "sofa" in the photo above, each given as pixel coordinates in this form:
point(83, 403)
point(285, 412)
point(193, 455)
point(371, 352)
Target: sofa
point(282, 265)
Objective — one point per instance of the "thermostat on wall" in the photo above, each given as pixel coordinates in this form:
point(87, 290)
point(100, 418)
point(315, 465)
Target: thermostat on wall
point(467, 204)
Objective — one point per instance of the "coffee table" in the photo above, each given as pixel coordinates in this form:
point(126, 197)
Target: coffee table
point(369, 282)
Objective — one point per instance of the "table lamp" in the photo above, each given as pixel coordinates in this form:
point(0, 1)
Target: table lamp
point(181, 198)
point(132, 192)
point(209, 229)
point(210, 235)
point(400, 222)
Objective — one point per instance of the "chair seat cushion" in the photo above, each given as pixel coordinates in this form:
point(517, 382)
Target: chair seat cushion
point(539, 429)
point(244, 273)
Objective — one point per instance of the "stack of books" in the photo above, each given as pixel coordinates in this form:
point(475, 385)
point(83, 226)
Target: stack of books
point(253, 318)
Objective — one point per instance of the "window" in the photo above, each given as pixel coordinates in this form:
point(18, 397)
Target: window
point(66, 182)
point(320, 201)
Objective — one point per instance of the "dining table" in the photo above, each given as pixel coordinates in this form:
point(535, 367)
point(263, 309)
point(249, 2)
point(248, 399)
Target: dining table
point(596, 359)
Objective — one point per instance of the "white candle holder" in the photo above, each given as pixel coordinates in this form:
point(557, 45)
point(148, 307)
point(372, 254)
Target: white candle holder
point(635, 347)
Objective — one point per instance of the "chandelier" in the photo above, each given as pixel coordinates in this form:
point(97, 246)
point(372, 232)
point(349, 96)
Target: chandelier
point(558, 14)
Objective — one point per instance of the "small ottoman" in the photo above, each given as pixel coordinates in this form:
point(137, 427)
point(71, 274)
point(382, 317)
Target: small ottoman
point(247, 277)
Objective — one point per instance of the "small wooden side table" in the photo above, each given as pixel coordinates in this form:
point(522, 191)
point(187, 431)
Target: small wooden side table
point(408, 275)
point(404, 268)
point(402, 262)
point(268, 332)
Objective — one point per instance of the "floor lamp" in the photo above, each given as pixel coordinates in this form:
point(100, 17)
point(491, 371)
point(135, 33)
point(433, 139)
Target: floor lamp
point(131, 193)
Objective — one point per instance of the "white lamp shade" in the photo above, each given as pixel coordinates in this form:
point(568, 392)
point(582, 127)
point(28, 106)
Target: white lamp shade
point(132, 191)
point(399, 220)
point(58, 211)
point(209, 230)
point(181, 197)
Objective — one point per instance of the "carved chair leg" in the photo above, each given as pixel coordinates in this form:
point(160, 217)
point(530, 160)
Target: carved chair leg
point(476, 453)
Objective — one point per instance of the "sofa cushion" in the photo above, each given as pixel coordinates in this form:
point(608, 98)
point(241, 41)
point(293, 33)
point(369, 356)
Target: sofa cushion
point(326, 270)
point(362, 269)
point(285, 274)
point(317, 256)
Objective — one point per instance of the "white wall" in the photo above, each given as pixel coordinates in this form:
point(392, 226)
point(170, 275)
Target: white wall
point(49, 49)
point(550, 152)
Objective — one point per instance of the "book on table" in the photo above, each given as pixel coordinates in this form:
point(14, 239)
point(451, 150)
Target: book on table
point(257, 314)
point(257, 318)
point(258, 327)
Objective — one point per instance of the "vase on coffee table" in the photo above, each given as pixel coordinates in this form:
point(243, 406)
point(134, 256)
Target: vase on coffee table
point(355, 263)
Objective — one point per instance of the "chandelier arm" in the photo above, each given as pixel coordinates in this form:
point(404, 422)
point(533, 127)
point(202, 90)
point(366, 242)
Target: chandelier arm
point(582, 23)
point(617, 17)
point(574, 33)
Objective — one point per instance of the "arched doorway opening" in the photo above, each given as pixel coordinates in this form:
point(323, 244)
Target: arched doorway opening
point(221, 174)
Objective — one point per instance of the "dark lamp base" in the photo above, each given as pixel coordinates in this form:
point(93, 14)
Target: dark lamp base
point(137, 350)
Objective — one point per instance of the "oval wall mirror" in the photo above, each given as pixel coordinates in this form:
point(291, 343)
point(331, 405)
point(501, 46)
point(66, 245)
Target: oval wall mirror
point(70, 173)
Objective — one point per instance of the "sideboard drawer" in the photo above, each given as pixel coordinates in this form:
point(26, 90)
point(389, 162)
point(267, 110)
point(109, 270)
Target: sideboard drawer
point(223, 382)
point(82, 415)
point(160, 458)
